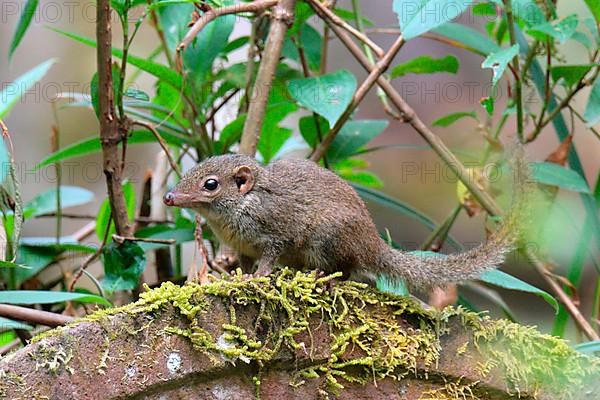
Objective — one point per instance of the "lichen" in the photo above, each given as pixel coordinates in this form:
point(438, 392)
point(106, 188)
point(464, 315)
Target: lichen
point(372, 335)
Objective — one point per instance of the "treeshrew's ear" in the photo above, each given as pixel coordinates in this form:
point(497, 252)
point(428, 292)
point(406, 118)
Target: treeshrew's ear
point(244, 179)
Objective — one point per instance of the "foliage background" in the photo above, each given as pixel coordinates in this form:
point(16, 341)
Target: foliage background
point(30, 122)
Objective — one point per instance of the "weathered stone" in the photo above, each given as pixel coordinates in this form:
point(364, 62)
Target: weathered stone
point(292, 337)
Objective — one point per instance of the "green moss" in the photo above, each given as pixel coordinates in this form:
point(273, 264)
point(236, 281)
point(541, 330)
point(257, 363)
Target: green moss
point(367, 339)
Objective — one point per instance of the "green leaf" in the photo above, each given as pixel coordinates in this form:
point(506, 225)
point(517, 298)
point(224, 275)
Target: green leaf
point(592, 109)
point(179, 234)
point(272, 136)
point(588, 347)
point(570, 73)
point(92, 145)
point(45, 203)
point(416, 16)
point(94, 89)
point(24, 21)
point(561, 31)
point(310, 41)
point(166, 74)
point(199, 56)
point(8, 324)
point(499, 60)
point(504, 280)
point(488, 105)
point(353, 136)
point(8, 264)
point(30, 297)
point(123, 266)
point(556, 175)
point(474, 40)
point(592, 26)
point(594, 7)
point(104, 213)
point(426, 65)
point(400, 207)
point(13, 91)
point(36, 259)
point(122, 7)
point(528, 12)
point(327, 95)
point(66, 243)
point(449, 119)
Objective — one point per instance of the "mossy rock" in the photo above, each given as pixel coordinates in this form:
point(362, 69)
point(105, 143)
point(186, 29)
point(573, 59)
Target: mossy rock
point(293, 335)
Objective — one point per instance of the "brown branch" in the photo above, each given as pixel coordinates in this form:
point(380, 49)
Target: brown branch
point(34, 316)
point(282, 17)
point(343, 24)
point(210, 15)
point(121, 239)
point(564, 299)
point(360, 94)
point(111, 133)
point(163, 145)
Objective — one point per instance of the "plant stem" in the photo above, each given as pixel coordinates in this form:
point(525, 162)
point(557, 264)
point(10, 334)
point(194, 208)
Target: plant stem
point(516, 69)
point(110, 131)
point(283, 15)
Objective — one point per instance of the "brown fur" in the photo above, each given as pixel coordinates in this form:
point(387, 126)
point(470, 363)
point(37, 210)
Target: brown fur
point(295, 213)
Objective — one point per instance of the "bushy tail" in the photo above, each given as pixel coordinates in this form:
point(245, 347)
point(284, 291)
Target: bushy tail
point(425, 271)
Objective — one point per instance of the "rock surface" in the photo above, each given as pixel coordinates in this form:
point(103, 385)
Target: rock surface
point(292, 336)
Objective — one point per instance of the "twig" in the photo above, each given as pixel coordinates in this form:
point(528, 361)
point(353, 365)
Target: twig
point(580, 117)
point(379, 68)
point(437, 238)
point(111, 133)
point(564, 299)
point(225, 100)
point(140, 219)
point(283, 16)
point(210, 15)
point(122, 239)
point(325, 44)
point(34, 316)
point(93, 257)
point(161, 142)
point(343, 24)
point(516, 67)
point(411, 117)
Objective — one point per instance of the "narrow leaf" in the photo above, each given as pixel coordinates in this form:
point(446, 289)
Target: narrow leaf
point(556, 175)
point(416, 16)
point(504, 280)
point(469, 37)
point(592, 109)
point(12, 92)
point(450, 119)
point(8, 324)
point(30, 297)
point(24, 21)
point(561, 31)
point(426, 65)
point(159, 71)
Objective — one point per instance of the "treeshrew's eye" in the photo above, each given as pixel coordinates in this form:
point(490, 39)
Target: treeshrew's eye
point(211, 184)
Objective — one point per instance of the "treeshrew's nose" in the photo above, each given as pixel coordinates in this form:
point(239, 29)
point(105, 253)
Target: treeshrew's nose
point(169, 198)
